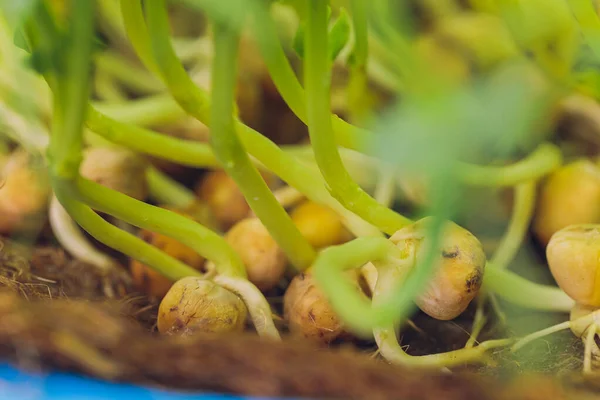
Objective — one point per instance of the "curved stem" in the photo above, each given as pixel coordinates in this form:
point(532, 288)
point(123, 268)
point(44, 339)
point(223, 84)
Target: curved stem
point(74, 242)
point(225, 142)
point(317, 83)
point(204, 241)
point(116, 66)
point(195, 154)
point(524, 204)
point(545, 159)
point(137, 32)
point(287, 167)
point(119, 240)
point(520, 291)
point(148, 111)
point(353, 309)
point(391, 350)
point(184, 152)
point(288, 84)
point(167, 191)
point(258, 307)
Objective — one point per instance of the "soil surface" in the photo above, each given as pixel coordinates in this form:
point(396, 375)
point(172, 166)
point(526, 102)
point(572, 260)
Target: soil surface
point(62, 314)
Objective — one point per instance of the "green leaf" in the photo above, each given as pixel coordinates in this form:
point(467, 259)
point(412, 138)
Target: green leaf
point(339, 34)
point(298, 42)
point(20, 40)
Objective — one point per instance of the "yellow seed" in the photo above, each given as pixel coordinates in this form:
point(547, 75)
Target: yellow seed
point(23, 193)
point(320, 225)
point(308, 312)
point(459, 269)
point(573, 255)
point(264, 260)
point(224, 198)
point(570, 195)
point(195, 305)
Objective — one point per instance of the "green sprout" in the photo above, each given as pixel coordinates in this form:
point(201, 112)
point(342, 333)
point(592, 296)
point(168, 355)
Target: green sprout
point(432, 126)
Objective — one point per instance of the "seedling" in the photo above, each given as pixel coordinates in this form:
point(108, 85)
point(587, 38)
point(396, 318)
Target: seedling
point(437, 127)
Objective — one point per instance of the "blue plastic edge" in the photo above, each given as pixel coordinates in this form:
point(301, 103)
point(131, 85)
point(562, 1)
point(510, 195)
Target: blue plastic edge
point(18, 384)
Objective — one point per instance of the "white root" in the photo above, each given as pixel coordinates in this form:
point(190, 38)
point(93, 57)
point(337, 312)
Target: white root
point(589, 344)
point(392, 351)
point(586, 325)
point(385, 190)
point(74, 242)
point(258, 307)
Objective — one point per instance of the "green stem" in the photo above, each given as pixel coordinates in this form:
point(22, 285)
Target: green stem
point(545, 159)
point(523, 207)
point(360, 12)
point(195, 154)
point(167, 191)
point(185, 152)
point(72, 239)
point(390, 349)
point(137, 32)
point(204, 241)
point(128, 74)
point(226, 144)
point(287, 167)
point(70, 95)
point(358, 85)
point(118, 239)
point(107, 89)
point(520, 291)
point(289, 86)
point(148, 111)
point(355, 310)
point(317, 83)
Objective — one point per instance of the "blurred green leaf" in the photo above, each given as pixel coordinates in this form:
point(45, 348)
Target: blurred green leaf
point(17, 11)
point(429, 134)
point(339, 34)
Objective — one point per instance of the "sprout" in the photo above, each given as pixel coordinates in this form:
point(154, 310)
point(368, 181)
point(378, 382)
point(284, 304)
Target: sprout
point(224, 198)
point(23, 193)
point(320, 225)
point(308, 312)
point(116, 168)
point(569, 196)
point(195, 305)
point(152, 282)
point(264, 259)
point(460, 271)
point(573, 259)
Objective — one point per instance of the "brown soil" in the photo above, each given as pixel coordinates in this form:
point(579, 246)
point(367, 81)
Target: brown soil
point(54, 314)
